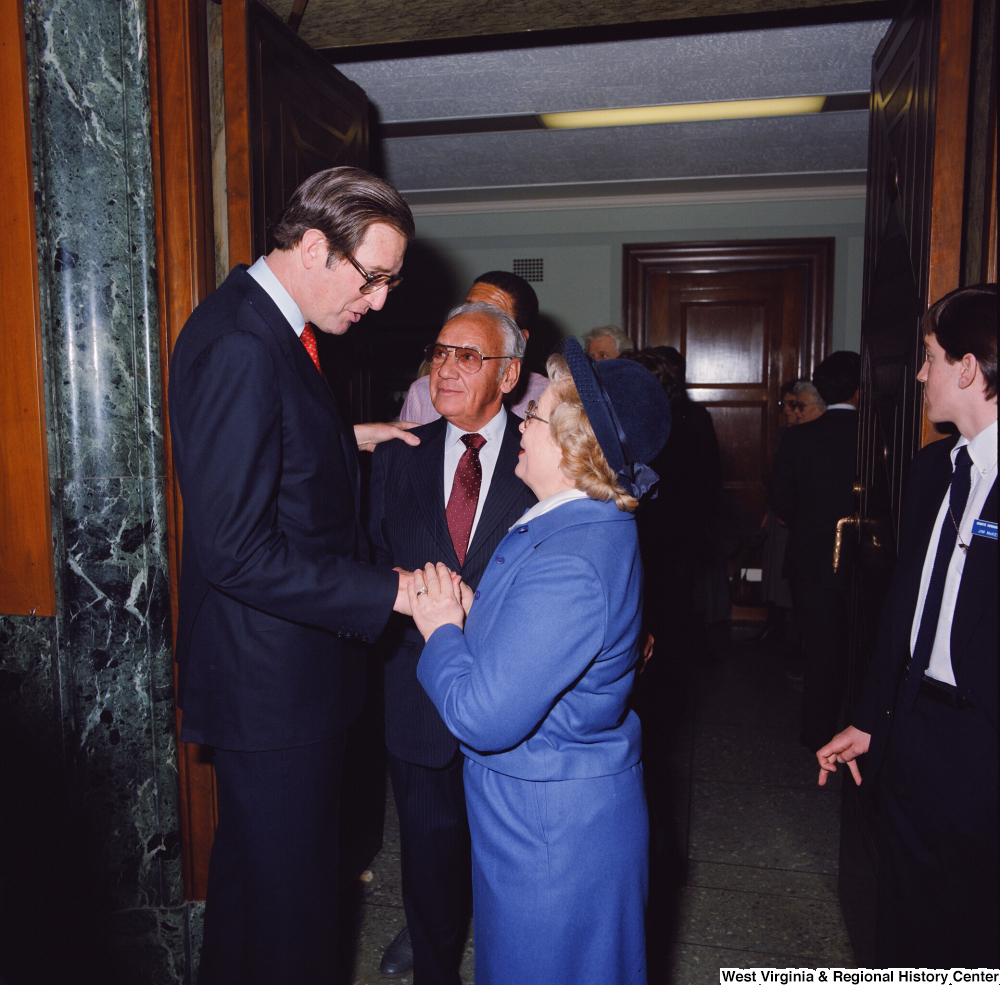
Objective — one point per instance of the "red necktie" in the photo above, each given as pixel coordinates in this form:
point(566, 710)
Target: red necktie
point(464, 496)
point(309, 341)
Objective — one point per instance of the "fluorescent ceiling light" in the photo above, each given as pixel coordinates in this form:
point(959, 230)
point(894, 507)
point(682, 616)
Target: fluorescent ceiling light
point(735, 109)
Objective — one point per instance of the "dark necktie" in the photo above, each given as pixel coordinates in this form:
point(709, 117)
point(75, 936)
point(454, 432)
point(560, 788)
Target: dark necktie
point(464, 496)
point(309, 341)
point(961, 481)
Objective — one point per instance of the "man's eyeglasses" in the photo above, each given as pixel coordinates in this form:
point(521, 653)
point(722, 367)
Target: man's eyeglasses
point(530, 415)
point(469, 360)
point(792, 405)
point(374, 282)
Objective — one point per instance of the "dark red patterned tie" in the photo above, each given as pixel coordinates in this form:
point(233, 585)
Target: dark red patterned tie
point(464, 496)
point(309, 341)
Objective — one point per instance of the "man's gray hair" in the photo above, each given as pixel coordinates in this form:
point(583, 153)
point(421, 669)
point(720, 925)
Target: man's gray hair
point(804, 386)
point(514, 340)
point(622, 342)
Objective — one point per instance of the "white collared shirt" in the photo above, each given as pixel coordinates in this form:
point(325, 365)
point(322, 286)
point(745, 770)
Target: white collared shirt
point(454, 448)
point(983, 452)
point(841, 407)
point(264, 276)
point(550, 503)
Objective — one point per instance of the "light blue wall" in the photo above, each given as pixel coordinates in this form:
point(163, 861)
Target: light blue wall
point(582, 249)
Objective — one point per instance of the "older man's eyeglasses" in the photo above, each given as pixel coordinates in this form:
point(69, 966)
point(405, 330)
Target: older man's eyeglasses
point(469, 360)
point(530, 415)
point(374, 282)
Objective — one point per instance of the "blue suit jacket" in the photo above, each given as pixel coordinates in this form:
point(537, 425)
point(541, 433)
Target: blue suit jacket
point(274, 597)
point(408, 528)
point(974, 626)
point(538, 685)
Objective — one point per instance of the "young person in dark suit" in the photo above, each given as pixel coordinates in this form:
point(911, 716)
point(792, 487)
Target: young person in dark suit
point(451, 499)
point(812, 482)
point(927, 717)
point(276, 595)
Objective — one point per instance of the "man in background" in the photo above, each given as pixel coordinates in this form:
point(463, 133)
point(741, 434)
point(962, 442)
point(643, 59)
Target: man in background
point(517, 297)
point(451, 499)
point(808, 403)
point(927, 716)
point(811, 488)
point(606, 342)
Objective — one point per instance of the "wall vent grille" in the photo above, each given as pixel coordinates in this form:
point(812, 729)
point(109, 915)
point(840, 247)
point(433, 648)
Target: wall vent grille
point(530, 270)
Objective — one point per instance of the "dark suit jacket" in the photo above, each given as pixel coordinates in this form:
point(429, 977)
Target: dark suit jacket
point(408, 528)
point(974, 627)
point(812, 483)
point(274, 599)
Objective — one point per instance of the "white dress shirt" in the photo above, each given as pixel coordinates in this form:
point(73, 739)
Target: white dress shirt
point(983, 452)
point(264, 276)
point(454, 449)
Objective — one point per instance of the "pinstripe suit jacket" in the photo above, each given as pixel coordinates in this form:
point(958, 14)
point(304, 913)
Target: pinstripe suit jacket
point(408, 528)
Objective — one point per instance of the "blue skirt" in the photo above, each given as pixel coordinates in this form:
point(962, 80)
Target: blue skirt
point(559, 878)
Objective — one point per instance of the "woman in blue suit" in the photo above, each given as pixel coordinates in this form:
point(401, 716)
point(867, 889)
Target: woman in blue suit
point(537, 688)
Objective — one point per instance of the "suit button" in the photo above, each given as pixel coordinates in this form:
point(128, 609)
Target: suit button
point(500, 559)
point(475, 594)
point(522, 530)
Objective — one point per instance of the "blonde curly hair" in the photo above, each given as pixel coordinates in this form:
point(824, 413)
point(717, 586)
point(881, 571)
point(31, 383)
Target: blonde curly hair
point(582, 459)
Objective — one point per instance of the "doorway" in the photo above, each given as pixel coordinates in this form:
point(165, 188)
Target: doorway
point(746, 316)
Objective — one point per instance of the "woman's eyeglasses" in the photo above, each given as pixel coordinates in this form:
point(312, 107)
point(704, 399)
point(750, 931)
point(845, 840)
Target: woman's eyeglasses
point(530, 415)
point(469, 361)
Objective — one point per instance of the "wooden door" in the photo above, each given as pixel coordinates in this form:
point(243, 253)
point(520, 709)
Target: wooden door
point(912, 250)
point(746, 317)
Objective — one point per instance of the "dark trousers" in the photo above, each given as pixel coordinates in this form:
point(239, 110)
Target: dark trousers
point(270, 913)
point(937, 899)
point(436, 859)
point(821, 615)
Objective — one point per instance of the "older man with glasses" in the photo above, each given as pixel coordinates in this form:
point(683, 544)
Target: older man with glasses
point(450, 499)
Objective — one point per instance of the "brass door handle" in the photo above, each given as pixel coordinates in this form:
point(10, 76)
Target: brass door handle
point(842, 524)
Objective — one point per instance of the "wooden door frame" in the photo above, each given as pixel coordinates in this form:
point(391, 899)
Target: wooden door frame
point(185, 266)
point(815, 256)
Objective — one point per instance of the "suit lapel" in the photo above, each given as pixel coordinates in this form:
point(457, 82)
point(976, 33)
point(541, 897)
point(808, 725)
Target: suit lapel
point(427, 480)
point(979, 581)
point(505, 487)
point(312, 382)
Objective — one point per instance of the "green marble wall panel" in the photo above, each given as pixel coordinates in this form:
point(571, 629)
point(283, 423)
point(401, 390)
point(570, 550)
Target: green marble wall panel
point(98, 676)
point(117, 609)
point(96, 233)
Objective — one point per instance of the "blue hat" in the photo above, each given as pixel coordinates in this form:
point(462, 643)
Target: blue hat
point(627, 409)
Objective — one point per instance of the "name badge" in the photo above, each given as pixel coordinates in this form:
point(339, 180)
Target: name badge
point(984, 528)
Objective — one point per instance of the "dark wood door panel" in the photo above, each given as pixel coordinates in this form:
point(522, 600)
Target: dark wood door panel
point(742, 430)
point(304, 116)
point(742, 315)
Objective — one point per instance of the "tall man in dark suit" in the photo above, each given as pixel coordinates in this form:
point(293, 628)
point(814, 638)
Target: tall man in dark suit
point(451, 499)
point(927, 717)
point(811, 489)
point(276, 597)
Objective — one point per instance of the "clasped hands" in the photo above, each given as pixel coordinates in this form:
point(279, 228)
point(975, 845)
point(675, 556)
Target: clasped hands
point(434, 596)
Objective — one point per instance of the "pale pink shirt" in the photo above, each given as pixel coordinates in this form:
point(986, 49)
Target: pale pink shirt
point(417, 406)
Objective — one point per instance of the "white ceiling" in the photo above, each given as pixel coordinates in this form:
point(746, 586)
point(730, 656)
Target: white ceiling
point(828, 147)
